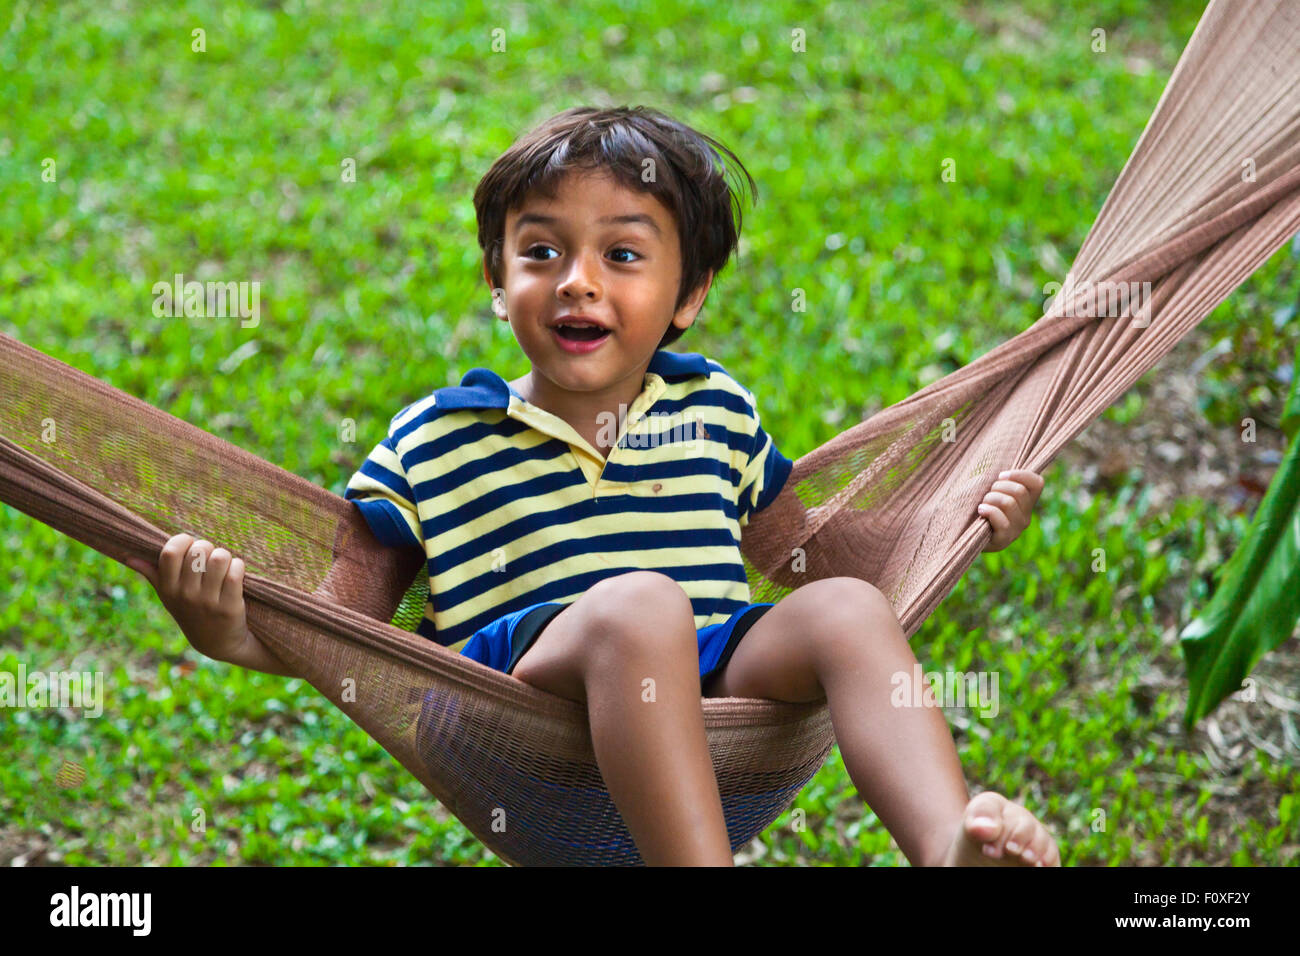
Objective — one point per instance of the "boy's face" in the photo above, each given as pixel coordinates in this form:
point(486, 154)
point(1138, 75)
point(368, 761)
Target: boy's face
point(567, 256)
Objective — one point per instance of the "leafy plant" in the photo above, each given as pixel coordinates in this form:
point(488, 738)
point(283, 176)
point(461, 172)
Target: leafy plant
point(1257, 602)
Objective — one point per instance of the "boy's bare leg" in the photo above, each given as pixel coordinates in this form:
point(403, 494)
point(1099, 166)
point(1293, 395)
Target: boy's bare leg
point(651, 749)
point(839, 639)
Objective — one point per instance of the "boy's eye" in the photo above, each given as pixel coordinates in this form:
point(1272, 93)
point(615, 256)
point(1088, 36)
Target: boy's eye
point(534, 249)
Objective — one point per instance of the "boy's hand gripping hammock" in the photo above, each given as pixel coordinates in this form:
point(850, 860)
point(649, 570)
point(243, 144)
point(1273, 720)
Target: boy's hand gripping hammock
point(888, 500)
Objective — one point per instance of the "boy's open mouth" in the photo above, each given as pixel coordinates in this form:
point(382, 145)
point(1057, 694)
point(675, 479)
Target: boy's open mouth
point(581, 333)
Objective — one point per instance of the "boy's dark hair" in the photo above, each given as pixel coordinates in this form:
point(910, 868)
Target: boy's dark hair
point(618, 140)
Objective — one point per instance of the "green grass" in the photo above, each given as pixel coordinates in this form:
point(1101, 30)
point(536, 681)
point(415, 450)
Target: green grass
point(226, 164)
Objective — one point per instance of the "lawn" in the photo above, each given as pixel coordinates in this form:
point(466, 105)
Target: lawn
point(227, 164)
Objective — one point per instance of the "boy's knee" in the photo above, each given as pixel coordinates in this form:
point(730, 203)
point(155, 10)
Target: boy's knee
point(846, 603)
point(631, 595)
point(638, 610)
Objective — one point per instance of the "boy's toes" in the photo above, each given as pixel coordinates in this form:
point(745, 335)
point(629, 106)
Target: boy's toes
point(982, 820)
point(981, 826)
point(996, 832)
point(1021, 829)
point(1046, 853)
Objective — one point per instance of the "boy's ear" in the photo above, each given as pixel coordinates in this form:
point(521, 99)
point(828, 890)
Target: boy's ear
point(691, 307)
point(498, 305)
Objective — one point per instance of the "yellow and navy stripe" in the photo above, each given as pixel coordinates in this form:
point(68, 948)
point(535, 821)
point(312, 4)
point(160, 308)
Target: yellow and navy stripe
point(511, 506)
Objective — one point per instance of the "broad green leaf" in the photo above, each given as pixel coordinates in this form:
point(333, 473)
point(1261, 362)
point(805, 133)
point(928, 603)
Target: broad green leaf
point(1257, 603)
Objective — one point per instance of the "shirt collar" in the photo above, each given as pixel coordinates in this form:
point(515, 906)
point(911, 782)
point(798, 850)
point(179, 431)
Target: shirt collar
point(484, 388)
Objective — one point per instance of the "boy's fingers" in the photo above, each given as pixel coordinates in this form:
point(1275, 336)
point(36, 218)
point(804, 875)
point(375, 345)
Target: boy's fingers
point(995, 517)
point(1033, 485)
point(232, 592)
point(1014, 490)
point(215, 574)
point(1008, 505)
point(1030, 479)
point(191, 579)
point(170, 560)
point(1024, 501)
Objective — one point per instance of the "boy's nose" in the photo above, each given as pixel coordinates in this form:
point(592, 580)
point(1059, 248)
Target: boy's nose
point(581, 279)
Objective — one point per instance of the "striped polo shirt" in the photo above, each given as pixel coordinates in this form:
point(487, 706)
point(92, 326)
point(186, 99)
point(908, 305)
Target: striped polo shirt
point(512, 507)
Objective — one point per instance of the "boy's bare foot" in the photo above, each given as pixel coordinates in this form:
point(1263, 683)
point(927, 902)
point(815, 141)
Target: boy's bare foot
point(996, 832)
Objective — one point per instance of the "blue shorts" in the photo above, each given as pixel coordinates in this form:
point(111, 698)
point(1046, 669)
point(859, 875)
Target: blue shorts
point(502, 643)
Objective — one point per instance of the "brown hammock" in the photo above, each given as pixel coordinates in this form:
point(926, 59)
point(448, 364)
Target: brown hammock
point(892, 500)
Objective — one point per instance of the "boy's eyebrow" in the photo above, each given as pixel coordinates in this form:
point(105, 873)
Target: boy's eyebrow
point(631, 218)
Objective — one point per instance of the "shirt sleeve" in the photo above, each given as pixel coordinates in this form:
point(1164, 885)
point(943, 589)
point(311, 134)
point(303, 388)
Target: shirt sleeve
point(381, 491)
point(765, 472)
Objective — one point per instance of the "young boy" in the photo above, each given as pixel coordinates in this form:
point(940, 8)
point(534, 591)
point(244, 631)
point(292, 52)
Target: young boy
point(583, 523)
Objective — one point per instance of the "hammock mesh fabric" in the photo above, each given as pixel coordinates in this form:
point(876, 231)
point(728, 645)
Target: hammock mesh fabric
point(889, 500)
